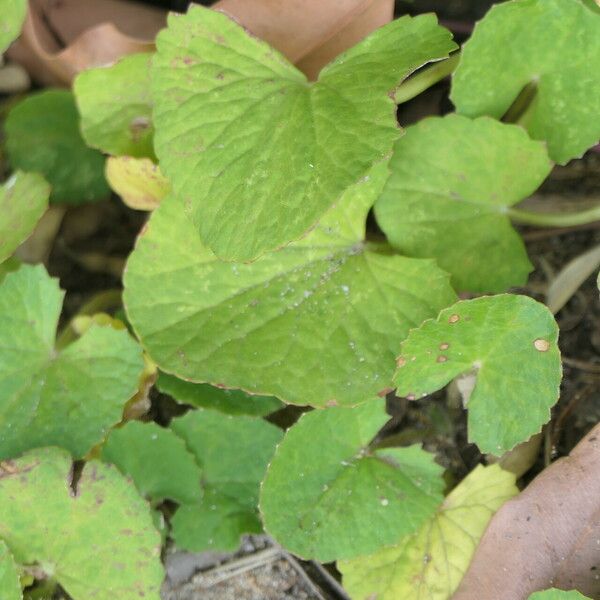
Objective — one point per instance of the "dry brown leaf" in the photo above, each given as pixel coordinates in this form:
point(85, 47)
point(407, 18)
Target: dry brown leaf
point(548, 536)
point(62, 38)
point(310, 32)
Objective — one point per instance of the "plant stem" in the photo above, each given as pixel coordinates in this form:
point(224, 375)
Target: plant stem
point(423, 80)
point(540, 219)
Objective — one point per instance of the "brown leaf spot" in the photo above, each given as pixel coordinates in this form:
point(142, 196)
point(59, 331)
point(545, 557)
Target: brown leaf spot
point(442, 359)
point(400, 361)
point(411, 397)
point(541, 345)
point(454, 319)
point(444, 346)
point(331, 403)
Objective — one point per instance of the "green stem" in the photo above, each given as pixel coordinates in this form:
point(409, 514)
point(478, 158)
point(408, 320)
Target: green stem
point(423, 80)
point(540, 219)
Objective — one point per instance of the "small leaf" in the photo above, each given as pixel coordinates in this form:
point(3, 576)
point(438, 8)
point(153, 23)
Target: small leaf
point(234, 453)
point(429, 564)
point(96, 543)
point(328, 496)
point(492, 71)
point(510, 343)
point(138, 181)
point(13, 15)
point(453, 205)
point(69, 398)
point(202, 395)
point(42, 135)
point(215, 524)
point(257, 153)
point(10, 585)
point(554, 594)
point(157, 460)
point(317, 322)
point(116, 107)
point(23, 200)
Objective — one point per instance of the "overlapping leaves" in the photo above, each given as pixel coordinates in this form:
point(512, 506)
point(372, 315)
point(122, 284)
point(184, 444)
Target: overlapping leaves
point(346, 499)
point(258, 154)
point(320, 321)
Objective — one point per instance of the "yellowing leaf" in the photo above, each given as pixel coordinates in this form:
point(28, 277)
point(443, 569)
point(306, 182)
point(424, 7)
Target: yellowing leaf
point(429, 564)
point(138, 181)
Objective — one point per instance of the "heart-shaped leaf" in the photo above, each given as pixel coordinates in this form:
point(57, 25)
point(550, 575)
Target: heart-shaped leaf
point(202, 395)
point(13, 14)
point(453, 206)
point(97, 541)
point(234, 453)
point(116, 107)
point(157, 460)
point(71, 397)
point(23, 200)
point(10, 586)
point(42, 135)
point(256, 152)
point(316, 322)
point(429, 564)
point(339, 498)
point(509, 343)
point(525, 42)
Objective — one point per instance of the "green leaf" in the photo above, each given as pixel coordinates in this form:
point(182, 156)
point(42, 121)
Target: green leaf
point(232, 402)
point(42, 135)
point(116, 107)
point(69, 398)
point(554, 594)
point(257, 152)
point(509, 343)
point(328, 495)
point(96, 543)
point(13, 15)
point(430, 564)
point(157, 460)
point(234, 453)
point(447, 198)
point(10, 585)
point(531, 41)
point(316, 322)
point(23, 200)
point(215, 524)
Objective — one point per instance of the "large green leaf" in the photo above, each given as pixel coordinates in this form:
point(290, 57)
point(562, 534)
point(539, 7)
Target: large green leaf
point(232, 402)
point(42, 135)
point(328, 495)
point(452, 181)
point(256, 152)
point(555, 594)
point(317, 322)
point(10, 586)
point(429, 564)
point(23, 200)
point(13, 14)
point(234, 453)
point(69, 398)
point(509, 343)
point(157, 460)
point(116, 107)
point(553, 44)
point(96, 542)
